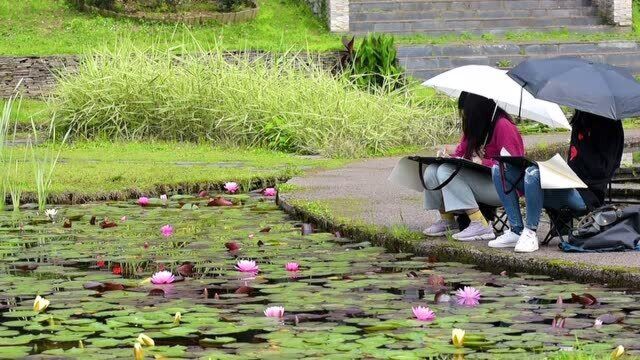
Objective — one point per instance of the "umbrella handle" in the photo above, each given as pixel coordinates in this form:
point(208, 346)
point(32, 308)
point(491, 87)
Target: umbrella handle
point(520, 106)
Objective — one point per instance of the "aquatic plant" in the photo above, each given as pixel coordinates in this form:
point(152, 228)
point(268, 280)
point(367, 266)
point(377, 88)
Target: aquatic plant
point(558, 322)
point(138, 353)
point(51, 214)
point(162, 277)
point(617, 352)
point(269, 192)
point(423, 313)
point(231, 187)
point(468, 296)
point(597, 324)
point(232, 246)
point(40, 304)
point(247, 266)
point(144, 339)
point(167, 230)
point(292, 266)
point(274, 311)
point(457, 337)
point(143, 201)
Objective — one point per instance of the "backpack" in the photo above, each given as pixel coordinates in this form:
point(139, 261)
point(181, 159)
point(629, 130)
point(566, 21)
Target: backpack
point(608, 228)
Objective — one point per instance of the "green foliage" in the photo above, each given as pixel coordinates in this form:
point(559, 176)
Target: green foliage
point(102, 4)
point(287, 103)
point(375, 64)
point(44, 27)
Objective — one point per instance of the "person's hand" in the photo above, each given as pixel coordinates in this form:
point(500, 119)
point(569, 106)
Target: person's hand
point(442, 152)
point(477, 160)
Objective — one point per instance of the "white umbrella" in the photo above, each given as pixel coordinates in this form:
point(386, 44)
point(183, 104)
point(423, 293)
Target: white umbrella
point(495, 84)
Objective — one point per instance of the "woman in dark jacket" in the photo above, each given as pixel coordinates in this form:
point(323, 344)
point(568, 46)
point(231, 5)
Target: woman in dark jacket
point(594, 155)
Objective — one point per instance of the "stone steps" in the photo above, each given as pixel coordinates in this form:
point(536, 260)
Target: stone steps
point(437, 17)
point(441, 5)
point(434, 15)
point(425, 61)
point(472, 25)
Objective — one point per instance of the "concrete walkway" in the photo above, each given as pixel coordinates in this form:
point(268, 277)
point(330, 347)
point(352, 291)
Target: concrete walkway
point(360, 192)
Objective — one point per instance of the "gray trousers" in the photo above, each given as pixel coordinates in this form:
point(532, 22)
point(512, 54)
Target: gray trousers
point(464, 192)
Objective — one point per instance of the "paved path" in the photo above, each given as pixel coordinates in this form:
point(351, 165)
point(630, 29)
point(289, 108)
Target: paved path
point(360, 191)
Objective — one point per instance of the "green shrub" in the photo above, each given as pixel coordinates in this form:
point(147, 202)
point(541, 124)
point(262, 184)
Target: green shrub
point(289, 104)
point(375, 64)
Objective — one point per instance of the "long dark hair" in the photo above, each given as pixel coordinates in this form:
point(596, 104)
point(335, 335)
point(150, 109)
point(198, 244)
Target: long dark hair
point(478, 114)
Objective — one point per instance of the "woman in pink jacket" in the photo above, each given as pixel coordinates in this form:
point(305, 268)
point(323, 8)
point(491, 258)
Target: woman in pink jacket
point(486, 130)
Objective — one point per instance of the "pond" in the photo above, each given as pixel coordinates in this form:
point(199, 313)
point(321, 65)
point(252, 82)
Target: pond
point(346, 300)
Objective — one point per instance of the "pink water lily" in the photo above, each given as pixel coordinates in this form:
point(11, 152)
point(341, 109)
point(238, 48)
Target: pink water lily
point(274, 311)
point(423, 313)
point(231, 187)
point(167, 230)
point(597, 324)
point(162, 277)
point(468, 295)
point(247, 266)
point(143, 201)
point(269, 192)
point(292, 266)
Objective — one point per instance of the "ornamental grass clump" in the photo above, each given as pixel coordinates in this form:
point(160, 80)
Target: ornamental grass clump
point(285, 103)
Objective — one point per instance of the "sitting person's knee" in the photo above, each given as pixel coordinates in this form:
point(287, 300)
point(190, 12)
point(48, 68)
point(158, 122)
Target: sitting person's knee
point(532, 174)
point(444, 172)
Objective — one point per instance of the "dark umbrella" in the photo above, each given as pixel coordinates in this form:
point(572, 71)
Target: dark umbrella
point(597, 88)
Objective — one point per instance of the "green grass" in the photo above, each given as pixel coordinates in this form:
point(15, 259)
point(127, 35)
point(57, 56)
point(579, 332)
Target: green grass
point(28, 109)
point(45, 27)
point(100, 168)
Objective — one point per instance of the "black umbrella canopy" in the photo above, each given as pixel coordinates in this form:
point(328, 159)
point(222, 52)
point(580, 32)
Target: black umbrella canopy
point(597, 88)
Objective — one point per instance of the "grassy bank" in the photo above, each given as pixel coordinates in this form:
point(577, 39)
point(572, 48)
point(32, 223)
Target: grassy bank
point(45, 27)
point(100, 169)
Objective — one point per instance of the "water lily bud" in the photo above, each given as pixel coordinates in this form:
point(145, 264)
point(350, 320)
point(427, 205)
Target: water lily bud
point(145, 340)
point(457, 337)
point(617, 352)
point(40, 304)
point(177, 317)
point(138, 353)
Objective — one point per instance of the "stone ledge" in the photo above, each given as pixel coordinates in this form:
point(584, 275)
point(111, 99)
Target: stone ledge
point(486, 259)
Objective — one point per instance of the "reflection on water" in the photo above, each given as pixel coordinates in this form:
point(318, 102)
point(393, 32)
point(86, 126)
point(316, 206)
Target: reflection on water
point(345, 301)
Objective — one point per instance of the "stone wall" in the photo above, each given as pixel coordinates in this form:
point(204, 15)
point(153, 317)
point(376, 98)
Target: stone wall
point(37, 75)
point(616, 12)
point(335, 13)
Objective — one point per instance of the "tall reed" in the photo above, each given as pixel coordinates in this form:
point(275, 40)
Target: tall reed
point(43, 160)
point(284, 102)
point(45, 164)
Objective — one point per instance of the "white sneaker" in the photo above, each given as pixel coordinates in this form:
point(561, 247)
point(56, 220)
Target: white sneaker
point(528, 241)
point(506, 240)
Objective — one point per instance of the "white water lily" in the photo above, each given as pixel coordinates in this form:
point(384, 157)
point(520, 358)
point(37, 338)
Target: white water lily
point(457, 337)
point(40, 304)
point(51, 214)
